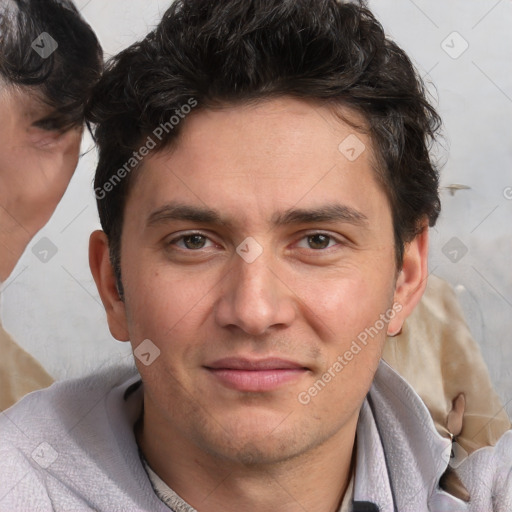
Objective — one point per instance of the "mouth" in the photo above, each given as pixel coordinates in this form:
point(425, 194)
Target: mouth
point(251, 375)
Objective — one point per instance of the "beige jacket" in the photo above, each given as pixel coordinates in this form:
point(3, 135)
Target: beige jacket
point(437, 356)
point(20, 373)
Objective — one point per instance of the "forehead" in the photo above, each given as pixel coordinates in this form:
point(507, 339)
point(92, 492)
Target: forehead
point(22, 103)
point(283, 126)
point(267, 156)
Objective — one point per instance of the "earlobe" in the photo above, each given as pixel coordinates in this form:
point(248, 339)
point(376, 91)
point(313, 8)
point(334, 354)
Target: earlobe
point(103, 273)
point(412, 279)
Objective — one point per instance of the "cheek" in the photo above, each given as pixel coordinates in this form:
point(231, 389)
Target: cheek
point(351, 348)
point(165, 307)
point(71, 155)
point(348, 312)
point(349, 300)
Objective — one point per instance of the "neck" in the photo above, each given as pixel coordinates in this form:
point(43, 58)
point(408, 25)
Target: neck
point(315, 481)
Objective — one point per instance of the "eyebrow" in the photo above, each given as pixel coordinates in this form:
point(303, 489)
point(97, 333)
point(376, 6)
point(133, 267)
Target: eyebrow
point(52, 122)
point(202, 215)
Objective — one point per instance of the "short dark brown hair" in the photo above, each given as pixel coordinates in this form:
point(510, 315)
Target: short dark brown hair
point(62, 80)
point(230, 51)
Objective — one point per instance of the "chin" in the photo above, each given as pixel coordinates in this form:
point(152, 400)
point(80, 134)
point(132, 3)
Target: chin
point(262, 452)
point(264, 441)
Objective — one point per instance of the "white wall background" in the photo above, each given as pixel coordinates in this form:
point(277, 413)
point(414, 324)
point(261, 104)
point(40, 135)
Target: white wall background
point(53, 310)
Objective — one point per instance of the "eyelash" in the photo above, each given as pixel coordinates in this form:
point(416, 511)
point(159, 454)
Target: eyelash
point(198, 233)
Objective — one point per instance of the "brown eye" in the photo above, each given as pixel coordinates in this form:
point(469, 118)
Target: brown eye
point(318, 241)
point(194, 241)
point(191, 242)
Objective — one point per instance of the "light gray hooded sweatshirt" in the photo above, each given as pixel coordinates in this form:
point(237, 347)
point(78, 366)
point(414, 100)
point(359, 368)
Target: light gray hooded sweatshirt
point(71, 447)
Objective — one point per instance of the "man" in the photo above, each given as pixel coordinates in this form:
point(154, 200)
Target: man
point(265, 190)
point(49, 61)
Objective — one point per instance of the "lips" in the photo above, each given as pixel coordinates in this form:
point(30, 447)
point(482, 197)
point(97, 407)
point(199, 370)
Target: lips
point(255, 375)
point(236, 363)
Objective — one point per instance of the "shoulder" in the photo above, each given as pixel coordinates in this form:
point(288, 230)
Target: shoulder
point(410, 440)
point(62, 403)
point(51, 433)
point(487, 474)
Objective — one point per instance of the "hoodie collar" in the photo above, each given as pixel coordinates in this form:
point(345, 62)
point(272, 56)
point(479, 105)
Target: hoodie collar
point(400, 455)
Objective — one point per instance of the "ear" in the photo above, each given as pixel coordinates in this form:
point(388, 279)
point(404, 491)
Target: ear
point(412, 279)
point(103, 273)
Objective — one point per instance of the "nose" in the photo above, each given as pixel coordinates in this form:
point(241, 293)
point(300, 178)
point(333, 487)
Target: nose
point(254, 297)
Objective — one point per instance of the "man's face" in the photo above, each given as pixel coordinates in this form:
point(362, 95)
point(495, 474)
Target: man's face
point(250, 312)
point(36, 161)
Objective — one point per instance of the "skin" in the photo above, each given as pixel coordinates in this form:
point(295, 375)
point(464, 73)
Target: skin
point(303, 299)
point(36, 166)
